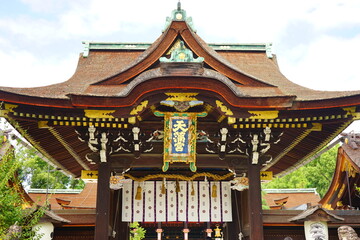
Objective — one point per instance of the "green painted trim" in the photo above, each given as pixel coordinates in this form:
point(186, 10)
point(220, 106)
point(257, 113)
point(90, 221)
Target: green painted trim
point(159, 114)
point(261, 47)
point(240, 46)
point(116, 46)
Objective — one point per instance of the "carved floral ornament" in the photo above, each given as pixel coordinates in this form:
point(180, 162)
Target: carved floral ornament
point(240, 183)
point(181, 101)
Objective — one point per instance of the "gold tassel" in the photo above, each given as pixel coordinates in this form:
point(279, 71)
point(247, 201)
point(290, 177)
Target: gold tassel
point(177, 185)
point(214, 191)
point(138, 193)
point(192, 189)
point(163, 188)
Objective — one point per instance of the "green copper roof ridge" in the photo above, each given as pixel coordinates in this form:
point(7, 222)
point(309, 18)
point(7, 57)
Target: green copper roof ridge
point(258, 47)
point(251, 44)
point(223, 43)
point(98, 42)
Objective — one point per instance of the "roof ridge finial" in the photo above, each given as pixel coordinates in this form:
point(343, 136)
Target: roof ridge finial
point(179, 14)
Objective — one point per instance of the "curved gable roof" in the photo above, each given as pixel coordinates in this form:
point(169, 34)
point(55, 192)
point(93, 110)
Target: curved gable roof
point(107, 72)
point(180, 29)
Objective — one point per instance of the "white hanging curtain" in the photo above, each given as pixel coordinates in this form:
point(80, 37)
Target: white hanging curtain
point(154, 206)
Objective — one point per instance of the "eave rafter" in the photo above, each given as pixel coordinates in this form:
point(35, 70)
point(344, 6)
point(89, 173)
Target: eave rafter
point(323, 136)
point(68, 147)
point(6, 113)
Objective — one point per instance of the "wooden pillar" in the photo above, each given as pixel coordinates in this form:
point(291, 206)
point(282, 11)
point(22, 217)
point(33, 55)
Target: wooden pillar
point(121, 228)
point(103, 202)
point(255, 205)
point(245, 225)
point(233, 228)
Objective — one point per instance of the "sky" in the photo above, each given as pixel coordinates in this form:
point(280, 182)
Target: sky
point(317, 42)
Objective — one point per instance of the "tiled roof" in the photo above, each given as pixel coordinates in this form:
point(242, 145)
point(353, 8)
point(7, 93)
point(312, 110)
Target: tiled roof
point(84, 199)
point(295, 198)
point(54, 217)
point(78, 217)
point(324, 214)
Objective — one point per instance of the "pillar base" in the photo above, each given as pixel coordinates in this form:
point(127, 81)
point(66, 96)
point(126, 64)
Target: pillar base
point(186, 233)
point(208, 232)
point(159, 233)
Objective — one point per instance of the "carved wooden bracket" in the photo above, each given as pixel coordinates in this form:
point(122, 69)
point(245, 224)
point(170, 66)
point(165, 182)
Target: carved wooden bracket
point(104, 142)
point(253, 143)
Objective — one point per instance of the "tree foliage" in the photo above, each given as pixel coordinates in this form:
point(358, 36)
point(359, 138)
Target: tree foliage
point(11, 201)
point(39, 174)
point(136, 231)
point(316, 174)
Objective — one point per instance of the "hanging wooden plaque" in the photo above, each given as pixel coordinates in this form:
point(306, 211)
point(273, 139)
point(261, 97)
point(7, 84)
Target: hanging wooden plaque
point(180, 139)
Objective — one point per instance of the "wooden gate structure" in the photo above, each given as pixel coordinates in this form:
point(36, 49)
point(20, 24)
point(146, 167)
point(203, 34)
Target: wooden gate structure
point(177, 113)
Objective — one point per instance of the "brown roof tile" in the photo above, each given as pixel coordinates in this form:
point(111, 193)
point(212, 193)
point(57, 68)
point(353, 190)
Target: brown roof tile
point(294, 199)
point(85, 199)
point(316, 213)
point(78, 217)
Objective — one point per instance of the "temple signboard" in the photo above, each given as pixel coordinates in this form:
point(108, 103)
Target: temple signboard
point(180, 138)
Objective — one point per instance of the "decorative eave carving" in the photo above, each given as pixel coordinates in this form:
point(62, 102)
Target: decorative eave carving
point(252, 143)
point(103, 142)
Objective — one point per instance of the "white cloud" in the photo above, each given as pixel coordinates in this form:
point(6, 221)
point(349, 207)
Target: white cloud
point(23, 69)
point(328, 63)
point(32, 29)
point(49, 6)
point(331, 14)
